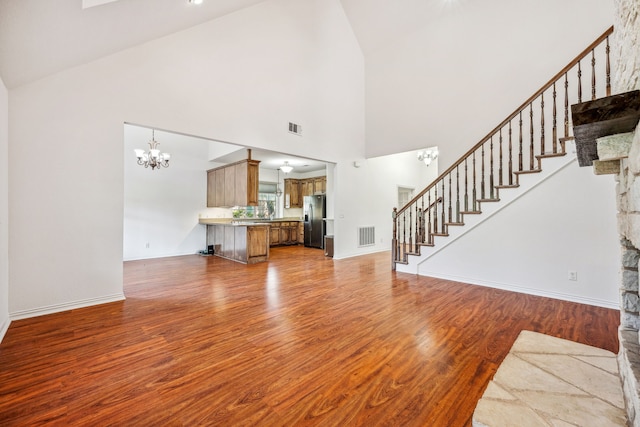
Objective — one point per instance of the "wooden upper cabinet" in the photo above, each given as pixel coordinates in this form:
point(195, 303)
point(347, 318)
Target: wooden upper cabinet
point(219, 189)
point(292, 189)
point(233, 185)
point(307, 187)
point(320, 185)
point(253, 182)
point(240, 188)
point(230, 185)
point(211, 188)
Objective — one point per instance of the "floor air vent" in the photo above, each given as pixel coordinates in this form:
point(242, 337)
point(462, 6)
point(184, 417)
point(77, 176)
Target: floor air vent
point(366, 236)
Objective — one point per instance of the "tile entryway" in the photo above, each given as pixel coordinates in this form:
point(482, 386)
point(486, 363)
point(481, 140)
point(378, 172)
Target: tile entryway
point(548, 381)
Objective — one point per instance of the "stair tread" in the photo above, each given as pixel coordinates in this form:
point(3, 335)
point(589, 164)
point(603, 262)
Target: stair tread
point(440, 234)
point(549, 155)
point(528, 171)
point(507, 186)
point(488, 200)
point(426, 244)
point(454, 223)
point(471, 212)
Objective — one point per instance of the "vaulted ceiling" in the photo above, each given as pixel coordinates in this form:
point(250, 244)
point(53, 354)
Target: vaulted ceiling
point(39, 38)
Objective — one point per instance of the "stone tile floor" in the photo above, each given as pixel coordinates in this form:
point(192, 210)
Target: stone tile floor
point(548, 381)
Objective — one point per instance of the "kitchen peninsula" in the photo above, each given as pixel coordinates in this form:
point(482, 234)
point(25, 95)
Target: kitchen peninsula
point(244, 242)
point(248, 240)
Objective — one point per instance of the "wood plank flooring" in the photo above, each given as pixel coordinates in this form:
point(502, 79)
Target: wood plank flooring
point(302, 340)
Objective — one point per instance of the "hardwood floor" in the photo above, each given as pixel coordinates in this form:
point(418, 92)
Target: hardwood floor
point(300, 340)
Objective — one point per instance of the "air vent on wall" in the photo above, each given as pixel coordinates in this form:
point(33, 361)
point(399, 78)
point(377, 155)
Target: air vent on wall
point(366, 236)
point(295, 128)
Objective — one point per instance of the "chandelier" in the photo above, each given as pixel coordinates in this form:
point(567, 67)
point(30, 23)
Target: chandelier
point(286, 168)
point(427, 156)
point(154, 157)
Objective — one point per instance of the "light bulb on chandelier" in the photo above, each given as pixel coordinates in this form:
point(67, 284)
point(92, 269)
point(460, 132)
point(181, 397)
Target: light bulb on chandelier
point(154, 157)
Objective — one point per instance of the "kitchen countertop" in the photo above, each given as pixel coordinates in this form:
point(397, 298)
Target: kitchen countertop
point(245, 221)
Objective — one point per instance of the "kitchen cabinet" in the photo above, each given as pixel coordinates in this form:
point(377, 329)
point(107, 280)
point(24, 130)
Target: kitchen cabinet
point(274, 234)
point(247, 244)
point(292, 194)
point(301, 233)
point(285, 233)
point(307, 187)
point(211, 188)
point(320, 185)
point(219, 196)
point(233, 185)
point(257, 244)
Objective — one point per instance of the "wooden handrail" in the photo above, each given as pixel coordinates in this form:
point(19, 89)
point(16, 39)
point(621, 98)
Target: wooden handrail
point(478, 163)
point(513, 115)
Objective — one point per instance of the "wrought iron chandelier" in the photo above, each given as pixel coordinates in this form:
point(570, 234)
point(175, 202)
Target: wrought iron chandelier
point(154, 157)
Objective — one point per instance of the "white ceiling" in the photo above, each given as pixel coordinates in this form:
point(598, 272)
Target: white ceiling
point(42, 37)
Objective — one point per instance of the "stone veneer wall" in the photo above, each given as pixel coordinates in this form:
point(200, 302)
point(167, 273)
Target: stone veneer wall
point(626, 51)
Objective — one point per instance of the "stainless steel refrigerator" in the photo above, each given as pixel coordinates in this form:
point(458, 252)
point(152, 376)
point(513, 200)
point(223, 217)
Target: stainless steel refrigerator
point(315, 213)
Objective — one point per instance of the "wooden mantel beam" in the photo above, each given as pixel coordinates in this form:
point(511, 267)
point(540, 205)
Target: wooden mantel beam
point(601, 117)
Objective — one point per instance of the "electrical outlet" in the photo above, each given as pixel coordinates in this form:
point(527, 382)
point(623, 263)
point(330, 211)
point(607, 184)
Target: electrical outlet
point(573, 276)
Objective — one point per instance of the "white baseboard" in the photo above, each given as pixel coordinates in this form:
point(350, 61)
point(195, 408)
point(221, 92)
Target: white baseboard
point(4, 328)
point(529, 291)
point(158, 256)
point(56, 308)
point(355, 254)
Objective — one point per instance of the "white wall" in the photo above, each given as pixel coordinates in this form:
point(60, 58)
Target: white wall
point(452, 81)
point(567, 223)
point(4, 210)
point(240, 78)
point(377, 179)
point(162, 207)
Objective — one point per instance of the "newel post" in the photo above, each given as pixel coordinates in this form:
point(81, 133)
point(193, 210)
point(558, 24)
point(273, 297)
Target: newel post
point(394, 240)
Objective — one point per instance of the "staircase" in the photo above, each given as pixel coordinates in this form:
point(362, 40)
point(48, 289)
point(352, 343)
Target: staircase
point(526, 148)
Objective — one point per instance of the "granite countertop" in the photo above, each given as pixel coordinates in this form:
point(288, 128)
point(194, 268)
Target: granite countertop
point(244, 221)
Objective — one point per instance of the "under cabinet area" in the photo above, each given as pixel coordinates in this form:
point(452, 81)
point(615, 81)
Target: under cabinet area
point(233, 185)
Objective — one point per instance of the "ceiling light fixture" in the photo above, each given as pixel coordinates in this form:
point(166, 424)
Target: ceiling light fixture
point(286, 168)
point(153, 158)
point(428, 155)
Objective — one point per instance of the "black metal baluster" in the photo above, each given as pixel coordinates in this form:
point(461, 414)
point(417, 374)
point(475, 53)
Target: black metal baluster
point(531, 155)
point(482, 185)
point(510, 155)
point(466, 185)
point(593, 74)
point(458, 193)
point(542, 141)
point(491, 192)
point(554, 135)
point(500, 161)
point(520, 161)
